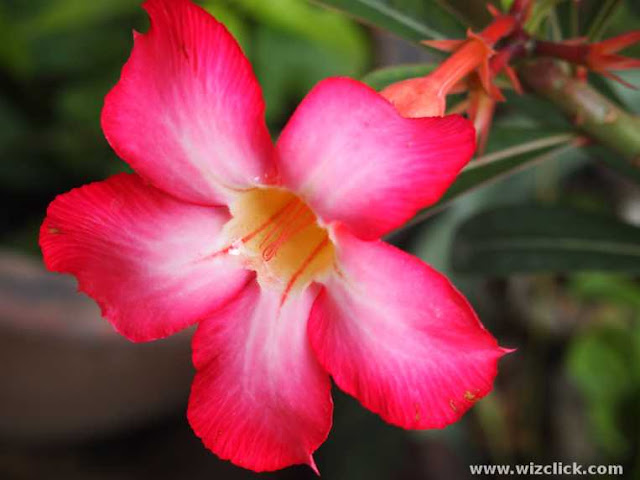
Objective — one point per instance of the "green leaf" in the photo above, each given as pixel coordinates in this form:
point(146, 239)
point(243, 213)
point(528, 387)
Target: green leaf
point(541, 10)
point(383, 77)
point(500, 164)
point(474, 14)
point(598, 24)
point(538, 110)
point(615, 289)
point(494, 166)
point(597, 361)
point(289, 75)
point(600, 362)
point(65, 15)
point(289, 56)
point(528, 239)
point(14, 54)
point(315, 25)
point(414, 20)
point(628, 97)
point(233, 21)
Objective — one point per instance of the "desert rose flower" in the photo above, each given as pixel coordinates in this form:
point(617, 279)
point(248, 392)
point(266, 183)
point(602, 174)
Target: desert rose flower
point(273, 250)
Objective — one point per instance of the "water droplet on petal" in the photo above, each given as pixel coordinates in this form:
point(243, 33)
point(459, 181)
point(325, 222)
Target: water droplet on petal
point(236, 248)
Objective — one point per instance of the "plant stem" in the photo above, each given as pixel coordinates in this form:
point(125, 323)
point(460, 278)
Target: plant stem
point(592, 112)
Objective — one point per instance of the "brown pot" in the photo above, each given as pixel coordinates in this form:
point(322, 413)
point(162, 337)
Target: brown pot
point(65, 373)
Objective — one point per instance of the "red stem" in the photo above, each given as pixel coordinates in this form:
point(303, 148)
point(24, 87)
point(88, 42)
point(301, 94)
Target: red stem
point(571, 53)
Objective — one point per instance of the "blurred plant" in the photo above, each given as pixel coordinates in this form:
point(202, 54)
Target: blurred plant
point(604, 358)
point(289, 58)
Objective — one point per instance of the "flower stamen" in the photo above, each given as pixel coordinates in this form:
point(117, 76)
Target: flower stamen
point(287, 230)
point(270, 221)
point(276, 233)
point(294, 278)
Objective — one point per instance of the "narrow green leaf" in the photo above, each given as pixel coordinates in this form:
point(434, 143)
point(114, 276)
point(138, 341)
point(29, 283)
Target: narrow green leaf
point(494, 166)
point(499, 165)
point(599, 23)
point(383, 77)
point(474, 14)
point(541, 11)
point(65, 15)
point(414, 20)
point(527, 239)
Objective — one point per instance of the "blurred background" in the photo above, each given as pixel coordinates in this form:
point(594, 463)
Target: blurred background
point(77, 401)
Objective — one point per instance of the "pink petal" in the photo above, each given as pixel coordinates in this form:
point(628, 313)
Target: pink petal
point(355, 159)
point(144, 256)
point(188, 113)
point(400, 338)
point(260, 399)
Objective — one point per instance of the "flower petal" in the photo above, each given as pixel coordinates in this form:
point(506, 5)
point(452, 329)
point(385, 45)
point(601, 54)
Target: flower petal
point(400, 338)
point(188, 113)
point(260, 399)
point(144, 256)
point(355, 159)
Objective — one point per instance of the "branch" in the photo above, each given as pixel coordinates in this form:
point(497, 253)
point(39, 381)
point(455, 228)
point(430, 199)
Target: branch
point(601, 119)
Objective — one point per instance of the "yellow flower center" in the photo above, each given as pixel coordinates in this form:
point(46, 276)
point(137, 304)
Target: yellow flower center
point(278, 235)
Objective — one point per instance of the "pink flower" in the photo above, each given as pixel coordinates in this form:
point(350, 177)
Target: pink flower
point(274, 251)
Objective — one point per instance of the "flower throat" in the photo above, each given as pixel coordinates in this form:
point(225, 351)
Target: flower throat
point(278, 235)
